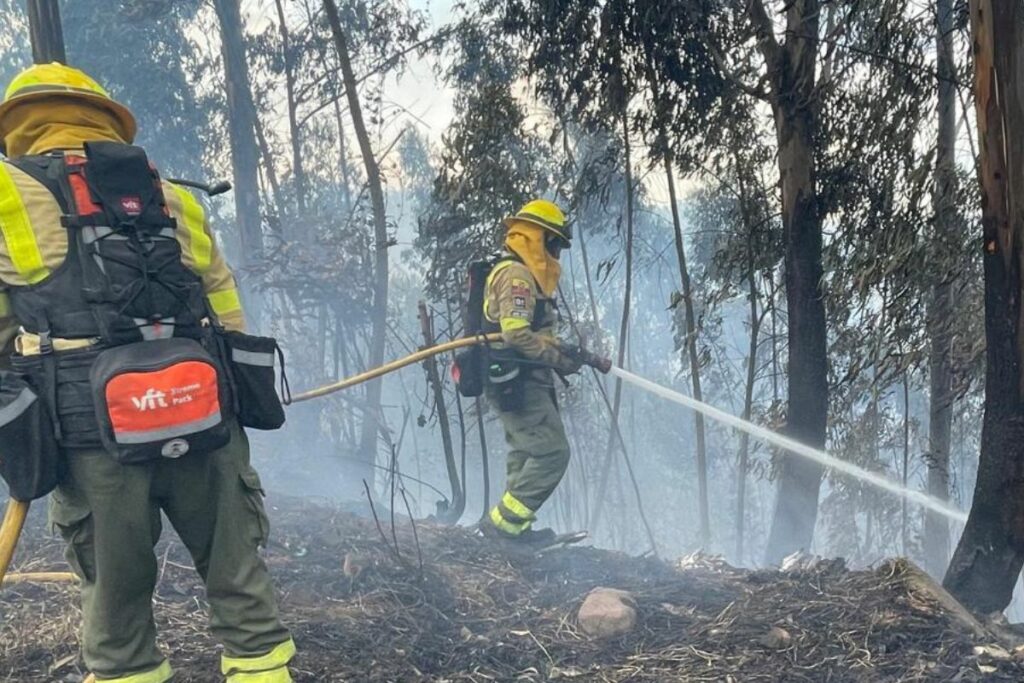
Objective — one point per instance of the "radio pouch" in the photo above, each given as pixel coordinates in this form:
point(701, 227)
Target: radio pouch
point(250, 360)
point(30, 460)
point(505, 378)
point(161, 398)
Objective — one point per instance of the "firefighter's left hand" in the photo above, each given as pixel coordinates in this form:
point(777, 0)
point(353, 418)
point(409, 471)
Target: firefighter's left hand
point(599, 363)
point(596, 361)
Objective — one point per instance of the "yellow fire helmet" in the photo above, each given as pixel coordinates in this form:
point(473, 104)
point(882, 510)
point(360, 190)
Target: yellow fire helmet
point(547, 215)
point(46, 80)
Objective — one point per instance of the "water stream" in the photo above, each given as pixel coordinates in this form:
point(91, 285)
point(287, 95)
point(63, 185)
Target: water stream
point(797, 448)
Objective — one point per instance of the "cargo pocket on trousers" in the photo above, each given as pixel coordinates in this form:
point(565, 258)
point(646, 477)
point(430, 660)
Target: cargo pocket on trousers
point(253, 490)
point(73, 521)
point(528, 431)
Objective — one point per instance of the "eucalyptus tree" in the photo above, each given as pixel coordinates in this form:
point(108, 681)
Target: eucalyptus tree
point(988, 558)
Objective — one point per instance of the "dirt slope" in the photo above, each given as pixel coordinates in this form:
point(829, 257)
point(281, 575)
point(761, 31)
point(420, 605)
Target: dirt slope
point(363, 611)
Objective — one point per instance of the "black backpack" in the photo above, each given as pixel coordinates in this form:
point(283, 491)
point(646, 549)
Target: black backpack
point(469, 371)
point(471, 368)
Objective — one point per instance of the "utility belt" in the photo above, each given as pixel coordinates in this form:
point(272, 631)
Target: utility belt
point(501, 372)
point(140, 402)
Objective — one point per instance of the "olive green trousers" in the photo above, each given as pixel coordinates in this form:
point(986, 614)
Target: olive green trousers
point(538, 455)
point(109, 515)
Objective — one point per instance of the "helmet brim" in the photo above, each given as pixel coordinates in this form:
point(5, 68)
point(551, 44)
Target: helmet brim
point(124, 116)
point(512, 220)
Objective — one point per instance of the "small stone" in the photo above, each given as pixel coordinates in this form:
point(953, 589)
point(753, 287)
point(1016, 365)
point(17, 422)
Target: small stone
point(558, 673)
point(353, 565)
point(992, 652)
point(777, 638)
point(607, 612)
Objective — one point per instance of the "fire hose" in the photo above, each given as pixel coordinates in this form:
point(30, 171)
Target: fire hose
point(17, 511)
point(14, 519)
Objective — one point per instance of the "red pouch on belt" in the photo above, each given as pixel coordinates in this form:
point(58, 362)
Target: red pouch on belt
point(160, 398)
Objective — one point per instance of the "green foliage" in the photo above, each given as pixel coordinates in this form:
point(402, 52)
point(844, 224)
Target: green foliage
point(138, 49)
point(490, 165)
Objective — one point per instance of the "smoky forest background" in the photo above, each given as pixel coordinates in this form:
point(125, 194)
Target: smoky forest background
point(776, 208)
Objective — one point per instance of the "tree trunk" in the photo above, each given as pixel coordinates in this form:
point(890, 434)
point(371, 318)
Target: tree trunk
point(463, 435)
point(748, 403)
point(244, 150)
point(694, 358)
point(484, 454)
point(434, 379)
point(368, 433)
point(295, 132)
point(940, 399)
point(615, 435)
point(346, 181)
point(595, 318)
point(791, 66)
point(271, 174)
point(774, 299)
point(623, 334)
point(988, 558)
point(46, 32)
point(906, 461)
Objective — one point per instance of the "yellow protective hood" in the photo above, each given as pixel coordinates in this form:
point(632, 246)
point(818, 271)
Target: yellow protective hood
point(58, 122)
point(526, 240)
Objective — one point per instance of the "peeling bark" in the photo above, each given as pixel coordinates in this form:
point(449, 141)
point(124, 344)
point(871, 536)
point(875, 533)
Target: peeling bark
point(990, 553)
point(988, 559)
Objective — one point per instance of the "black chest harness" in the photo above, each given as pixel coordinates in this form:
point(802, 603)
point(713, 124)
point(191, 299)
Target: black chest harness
point(123, 279)
point(158, 379)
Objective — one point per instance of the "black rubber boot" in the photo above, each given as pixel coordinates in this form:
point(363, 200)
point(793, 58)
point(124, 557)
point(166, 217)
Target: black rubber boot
point(525, 541)
point(537, 537)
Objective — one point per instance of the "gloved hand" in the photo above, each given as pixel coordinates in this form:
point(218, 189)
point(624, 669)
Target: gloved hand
point(599, 363)
point(582, 356)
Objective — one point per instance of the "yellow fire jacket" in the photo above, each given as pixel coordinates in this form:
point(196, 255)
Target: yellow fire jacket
point(510, 300)
point(34, 244)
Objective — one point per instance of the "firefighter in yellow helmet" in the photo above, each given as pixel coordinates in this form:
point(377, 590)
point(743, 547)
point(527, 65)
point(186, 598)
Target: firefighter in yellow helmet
point(110, 276)
point(520, 302)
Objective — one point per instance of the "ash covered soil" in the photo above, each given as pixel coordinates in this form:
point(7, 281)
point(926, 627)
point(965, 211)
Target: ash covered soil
point(369, 604)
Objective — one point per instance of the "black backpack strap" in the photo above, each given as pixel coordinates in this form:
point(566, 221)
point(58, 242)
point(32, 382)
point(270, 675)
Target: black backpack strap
point(540, 309)
point(47, 170)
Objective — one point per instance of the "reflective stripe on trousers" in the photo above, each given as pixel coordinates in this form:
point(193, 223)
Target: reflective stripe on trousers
point(512, 528)
point(511, 515)
point(160, 674)
point(269, 668)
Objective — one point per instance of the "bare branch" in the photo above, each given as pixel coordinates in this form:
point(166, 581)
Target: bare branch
point(756, 91)
point(766, 43)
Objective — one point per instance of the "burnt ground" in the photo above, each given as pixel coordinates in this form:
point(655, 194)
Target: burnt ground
point(445, 606)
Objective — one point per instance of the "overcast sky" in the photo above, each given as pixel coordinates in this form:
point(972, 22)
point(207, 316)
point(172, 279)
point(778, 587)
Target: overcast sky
point(427, 101)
